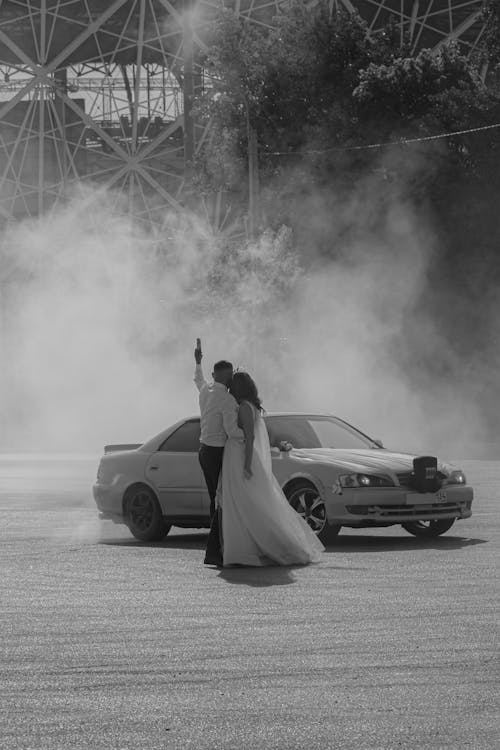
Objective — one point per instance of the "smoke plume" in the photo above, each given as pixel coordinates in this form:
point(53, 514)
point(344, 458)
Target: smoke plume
point(99, 320)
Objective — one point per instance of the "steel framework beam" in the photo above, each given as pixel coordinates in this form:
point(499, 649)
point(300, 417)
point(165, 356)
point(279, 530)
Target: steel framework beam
point(101, 91)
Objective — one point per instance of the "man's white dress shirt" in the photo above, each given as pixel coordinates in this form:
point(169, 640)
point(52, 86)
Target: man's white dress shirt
point(218, 410)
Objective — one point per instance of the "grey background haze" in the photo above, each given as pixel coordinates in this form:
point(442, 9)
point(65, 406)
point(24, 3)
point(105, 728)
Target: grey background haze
point(99, 320)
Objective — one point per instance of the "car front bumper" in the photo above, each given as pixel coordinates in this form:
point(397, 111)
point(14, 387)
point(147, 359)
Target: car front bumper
point(371, 507)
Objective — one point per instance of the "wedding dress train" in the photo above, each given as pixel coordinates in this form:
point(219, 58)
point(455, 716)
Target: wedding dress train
point(259, 527)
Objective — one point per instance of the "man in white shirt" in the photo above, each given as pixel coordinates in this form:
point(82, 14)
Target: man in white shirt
point(218, 419)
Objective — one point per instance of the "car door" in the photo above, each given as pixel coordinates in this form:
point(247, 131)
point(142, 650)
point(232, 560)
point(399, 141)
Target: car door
point(175, 472)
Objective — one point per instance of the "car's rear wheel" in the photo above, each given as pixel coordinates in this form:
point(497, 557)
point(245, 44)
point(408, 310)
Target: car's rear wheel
point(308, 503)
point(143, 515)
point(427, 529)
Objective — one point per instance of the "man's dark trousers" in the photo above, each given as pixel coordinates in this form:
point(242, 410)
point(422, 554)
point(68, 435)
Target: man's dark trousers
point(210, 457)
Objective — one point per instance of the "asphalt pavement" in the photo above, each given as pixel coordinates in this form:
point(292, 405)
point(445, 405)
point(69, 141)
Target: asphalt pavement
point(108, 643)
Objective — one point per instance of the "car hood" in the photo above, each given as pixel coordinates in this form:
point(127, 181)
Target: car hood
point(360, 460)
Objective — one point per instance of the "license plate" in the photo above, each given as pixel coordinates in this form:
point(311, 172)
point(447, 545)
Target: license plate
point(426, 498)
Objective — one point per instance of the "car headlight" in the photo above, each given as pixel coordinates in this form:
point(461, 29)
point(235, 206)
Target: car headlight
point(365, 480)
point(456, 477)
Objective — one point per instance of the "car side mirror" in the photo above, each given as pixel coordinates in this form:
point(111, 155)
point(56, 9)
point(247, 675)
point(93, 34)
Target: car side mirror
point(379, 443)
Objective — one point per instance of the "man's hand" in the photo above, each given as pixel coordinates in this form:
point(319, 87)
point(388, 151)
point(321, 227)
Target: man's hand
point(197, 352)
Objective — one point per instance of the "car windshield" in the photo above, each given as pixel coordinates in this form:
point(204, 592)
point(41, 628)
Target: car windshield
point(315, 432)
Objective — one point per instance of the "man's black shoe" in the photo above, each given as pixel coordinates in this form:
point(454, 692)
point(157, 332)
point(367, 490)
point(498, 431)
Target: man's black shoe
point(217, 561)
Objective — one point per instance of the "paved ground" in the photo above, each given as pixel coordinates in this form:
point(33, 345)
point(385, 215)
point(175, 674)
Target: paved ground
point(108, 643)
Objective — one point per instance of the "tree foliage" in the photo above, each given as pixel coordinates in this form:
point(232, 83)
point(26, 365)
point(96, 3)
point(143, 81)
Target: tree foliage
point(319, 82)
point(320, 92)
point(425, 90)
point(293, 84)
point(491, 37)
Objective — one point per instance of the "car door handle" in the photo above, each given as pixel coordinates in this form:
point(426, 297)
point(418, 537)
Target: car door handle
point(153, 468)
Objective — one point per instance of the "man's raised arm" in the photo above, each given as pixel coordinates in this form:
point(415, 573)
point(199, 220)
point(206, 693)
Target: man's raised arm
point(199, 378)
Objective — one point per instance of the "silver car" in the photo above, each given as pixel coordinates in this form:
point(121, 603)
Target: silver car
point(332, 474)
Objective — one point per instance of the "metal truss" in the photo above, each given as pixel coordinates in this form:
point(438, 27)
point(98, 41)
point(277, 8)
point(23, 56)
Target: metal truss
point(101, 91)
point(91, 91)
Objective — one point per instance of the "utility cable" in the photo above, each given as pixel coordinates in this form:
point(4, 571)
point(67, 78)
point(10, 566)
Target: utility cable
point(401, 141)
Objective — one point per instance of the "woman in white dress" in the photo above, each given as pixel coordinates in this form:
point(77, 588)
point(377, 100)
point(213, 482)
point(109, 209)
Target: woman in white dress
point(258, 525)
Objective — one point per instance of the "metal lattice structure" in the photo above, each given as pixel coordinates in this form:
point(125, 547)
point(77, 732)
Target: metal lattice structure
point(100, 91)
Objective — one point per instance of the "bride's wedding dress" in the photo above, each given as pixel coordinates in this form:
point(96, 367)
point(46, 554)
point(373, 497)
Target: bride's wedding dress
point(258, 525)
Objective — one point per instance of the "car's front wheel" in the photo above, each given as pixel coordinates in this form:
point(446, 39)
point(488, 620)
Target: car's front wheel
point(143, 515)
point(308, 503)
point(428, 529)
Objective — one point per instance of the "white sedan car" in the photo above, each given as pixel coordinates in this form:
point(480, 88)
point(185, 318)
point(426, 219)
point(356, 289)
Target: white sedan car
point(332, 474)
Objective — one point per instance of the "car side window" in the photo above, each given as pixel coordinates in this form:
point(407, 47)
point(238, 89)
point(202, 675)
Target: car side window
point(186, 438)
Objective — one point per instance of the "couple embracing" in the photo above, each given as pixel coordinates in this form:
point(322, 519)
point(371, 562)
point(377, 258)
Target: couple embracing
point(252, 522)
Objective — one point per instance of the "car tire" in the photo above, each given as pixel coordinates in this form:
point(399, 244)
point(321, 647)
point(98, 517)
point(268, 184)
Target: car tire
point(143, 515)
point(429, 529)
point(306, 500)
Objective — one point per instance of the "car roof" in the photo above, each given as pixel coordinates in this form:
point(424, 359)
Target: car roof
point(281, 414)
point(296, 414)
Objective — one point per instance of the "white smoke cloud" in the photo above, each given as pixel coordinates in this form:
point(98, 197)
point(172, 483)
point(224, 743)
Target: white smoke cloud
point(364, 343)
point(99, 321)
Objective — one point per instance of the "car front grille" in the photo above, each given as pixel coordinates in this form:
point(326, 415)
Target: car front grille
point(405, 478)
point(407, 511)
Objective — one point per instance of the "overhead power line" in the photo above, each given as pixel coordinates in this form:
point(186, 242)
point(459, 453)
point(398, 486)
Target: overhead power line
point(366, 146)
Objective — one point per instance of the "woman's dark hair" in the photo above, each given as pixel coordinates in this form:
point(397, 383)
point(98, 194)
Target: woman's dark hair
point(243, 388)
